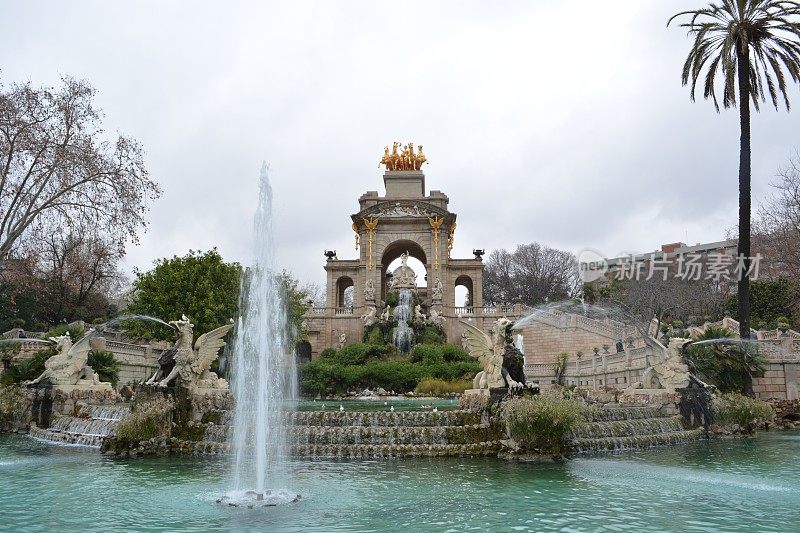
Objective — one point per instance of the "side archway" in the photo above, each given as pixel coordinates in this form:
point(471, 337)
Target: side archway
point(345, 292)
point(391, 254)
point(464, 291)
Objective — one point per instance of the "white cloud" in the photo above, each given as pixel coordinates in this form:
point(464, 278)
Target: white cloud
point(561, 122)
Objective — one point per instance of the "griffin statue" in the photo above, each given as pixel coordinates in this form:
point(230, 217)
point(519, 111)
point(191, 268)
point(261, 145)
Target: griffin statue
point(500, 361)
point(192, 365)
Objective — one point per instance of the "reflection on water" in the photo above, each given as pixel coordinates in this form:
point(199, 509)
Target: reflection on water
point(723, 485)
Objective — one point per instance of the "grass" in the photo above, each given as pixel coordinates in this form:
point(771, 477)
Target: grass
point(440, 387)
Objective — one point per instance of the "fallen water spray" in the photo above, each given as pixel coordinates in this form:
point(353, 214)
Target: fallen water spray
point(262, 371)
point(403, 335)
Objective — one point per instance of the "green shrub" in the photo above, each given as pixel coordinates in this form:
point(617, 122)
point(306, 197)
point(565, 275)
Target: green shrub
point(560, 367)
point(728, 364)
point(392, 298)
point(455, 354)
point(14, 406)
point(75, 332)
point(744, 411)
point(428, 334)
point(439, 387)
point(27, 369)
point(9, 350)
point(328, 376)
point(426, 353)
point(543, 422)
point(379, 333)
point(327, 353)
point(373, 335)
point(105, 364)
point(149, 419)
point(352, 354)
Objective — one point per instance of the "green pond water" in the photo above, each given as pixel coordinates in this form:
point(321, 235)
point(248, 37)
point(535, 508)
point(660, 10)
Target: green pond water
point(741, 485)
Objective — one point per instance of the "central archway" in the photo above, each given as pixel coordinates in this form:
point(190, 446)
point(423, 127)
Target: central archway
point(392, 253)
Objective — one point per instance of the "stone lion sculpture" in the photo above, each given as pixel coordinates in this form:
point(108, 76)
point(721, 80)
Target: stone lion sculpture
point(68, 366)
point(490, 351)
point(193, 365)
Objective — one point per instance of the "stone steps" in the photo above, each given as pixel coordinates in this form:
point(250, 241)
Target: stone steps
point(382, 451)
point(385, 435)
point(607, 414)
point(95, 424)
point(633, 442)
point(627, 428)
point(67, 437)
point(382, 418)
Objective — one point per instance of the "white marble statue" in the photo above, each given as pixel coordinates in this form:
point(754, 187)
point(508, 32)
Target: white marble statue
point(670, 372)
point(489, 351)
point(68, 366)
point(437, 290)
point(435, 318)
point(404, 276)
point(193, 365)
point(387, 314)
point(370, 317)
point(369, 290)
point(419, 316)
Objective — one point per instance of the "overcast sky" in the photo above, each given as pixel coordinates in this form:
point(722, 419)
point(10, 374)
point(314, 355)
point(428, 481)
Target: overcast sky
point(562, 122)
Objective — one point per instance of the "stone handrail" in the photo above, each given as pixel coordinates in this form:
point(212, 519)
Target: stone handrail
point(118, 347)
point(559, 319)
point(539, 369)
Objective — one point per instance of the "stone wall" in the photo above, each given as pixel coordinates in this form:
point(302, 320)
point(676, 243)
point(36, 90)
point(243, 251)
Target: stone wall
point(138, 362)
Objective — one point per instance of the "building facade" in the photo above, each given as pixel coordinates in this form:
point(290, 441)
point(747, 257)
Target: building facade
point(404, 220)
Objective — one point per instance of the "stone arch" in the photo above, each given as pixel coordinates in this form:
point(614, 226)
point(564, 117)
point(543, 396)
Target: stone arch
point(464, 281)
point(342, 285)
point(393, 251)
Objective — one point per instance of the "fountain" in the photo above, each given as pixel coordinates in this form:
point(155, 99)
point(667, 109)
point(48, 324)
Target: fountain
point(403, 334)
point(404, 281)
point(262, 373)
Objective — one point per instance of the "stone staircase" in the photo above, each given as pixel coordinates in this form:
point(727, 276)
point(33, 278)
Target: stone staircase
point(363, 435)
point(627, 428)
point(92, 425)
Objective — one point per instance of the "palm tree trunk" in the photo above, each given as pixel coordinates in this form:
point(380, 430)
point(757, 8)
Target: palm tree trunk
point(743, 249)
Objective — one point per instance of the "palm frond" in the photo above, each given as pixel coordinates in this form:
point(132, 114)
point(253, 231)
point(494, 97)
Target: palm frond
point(767, 31)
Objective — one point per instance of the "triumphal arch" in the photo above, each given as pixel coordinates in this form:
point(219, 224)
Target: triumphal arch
point(406, 222)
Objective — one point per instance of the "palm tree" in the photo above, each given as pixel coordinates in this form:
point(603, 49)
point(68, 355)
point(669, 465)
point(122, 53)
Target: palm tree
point(750, 44)
point(725, 361)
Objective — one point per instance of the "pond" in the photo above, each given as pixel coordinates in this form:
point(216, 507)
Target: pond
point(734, 485)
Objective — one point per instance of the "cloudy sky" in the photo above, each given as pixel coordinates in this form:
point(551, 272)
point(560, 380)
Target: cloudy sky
point(562, 122)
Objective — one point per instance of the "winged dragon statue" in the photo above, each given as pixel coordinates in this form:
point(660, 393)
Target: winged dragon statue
point(69, 365)
point(491, 352)
point(192, 365)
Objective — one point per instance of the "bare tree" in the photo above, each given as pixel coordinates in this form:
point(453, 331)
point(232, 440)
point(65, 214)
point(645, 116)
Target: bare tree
point(776, 230)
point(531, 274)
point(58, 169)
point(80, 271)
point(314, 293)
point(673, 297)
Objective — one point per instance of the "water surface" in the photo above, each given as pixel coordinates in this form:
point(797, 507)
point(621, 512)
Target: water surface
point(742, 485)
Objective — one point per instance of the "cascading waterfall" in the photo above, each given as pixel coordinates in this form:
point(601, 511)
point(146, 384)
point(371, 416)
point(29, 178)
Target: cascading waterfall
point(263, 371)
point(403, 336)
